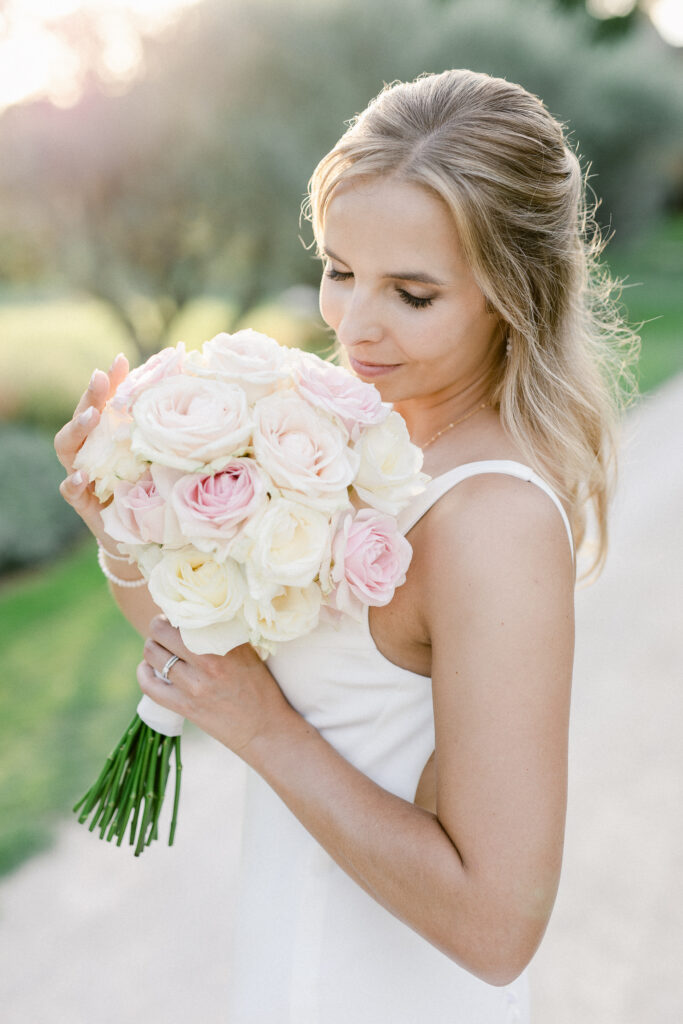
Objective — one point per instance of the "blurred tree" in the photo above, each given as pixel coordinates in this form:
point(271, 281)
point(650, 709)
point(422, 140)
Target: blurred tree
point(193, 179)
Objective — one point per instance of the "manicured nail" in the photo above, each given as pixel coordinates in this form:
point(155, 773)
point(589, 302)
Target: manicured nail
point(87, 417)
point(77, 478)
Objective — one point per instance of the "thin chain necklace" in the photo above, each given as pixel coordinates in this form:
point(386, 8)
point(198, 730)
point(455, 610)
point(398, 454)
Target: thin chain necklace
point(484, 405)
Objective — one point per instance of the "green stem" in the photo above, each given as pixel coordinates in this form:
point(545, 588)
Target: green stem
point(138, 787)
point(149, 793)
point(176, 796)
point(164, 766)
point(136, 770)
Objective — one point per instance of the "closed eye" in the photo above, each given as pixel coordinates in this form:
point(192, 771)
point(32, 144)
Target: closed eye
point(414, 301)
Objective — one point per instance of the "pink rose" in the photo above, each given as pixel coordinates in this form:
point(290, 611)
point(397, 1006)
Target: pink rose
point(211, 509)
point(370, 558)
point(139, 513)
point(337, 391)
point(162, 364)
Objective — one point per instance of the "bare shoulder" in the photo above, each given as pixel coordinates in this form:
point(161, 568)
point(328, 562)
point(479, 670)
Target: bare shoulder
point(494, 522)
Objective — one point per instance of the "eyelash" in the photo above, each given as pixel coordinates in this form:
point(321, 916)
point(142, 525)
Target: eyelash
point(411, 300)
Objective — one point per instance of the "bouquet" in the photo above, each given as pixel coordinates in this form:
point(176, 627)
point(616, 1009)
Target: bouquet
point(256, 488)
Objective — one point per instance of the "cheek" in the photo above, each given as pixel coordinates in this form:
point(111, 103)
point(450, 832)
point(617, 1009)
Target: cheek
point(330, 306)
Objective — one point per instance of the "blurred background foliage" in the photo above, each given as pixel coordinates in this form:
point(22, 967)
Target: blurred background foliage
point(166, 207)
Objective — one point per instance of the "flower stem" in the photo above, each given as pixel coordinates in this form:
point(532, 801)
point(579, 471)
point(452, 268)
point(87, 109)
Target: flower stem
point(135, 772)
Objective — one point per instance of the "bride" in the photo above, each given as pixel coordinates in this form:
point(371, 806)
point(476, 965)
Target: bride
point(406, 801)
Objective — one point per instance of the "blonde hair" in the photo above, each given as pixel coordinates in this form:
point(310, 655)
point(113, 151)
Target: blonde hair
point(516, 191)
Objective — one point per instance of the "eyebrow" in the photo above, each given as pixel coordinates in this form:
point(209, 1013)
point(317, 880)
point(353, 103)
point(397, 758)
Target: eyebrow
point(406, 276)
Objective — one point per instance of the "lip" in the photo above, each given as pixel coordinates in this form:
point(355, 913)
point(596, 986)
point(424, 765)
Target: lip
point(371, 369)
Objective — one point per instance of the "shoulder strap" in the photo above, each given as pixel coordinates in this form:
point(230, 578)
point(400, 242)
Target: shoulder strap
point(439, 485)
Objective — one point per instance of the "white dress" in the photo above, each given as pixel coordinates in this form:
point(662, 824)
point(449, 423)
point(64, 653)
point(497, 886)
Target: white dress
point(310, 946)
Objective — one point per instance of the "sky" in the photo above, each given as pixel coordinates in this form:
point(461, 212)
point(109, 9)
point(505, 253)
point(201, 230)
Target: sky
point(40, 58)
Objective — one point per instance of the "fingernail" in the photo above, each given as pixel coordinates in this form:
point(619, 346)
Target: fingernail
point(87, 417)
point(77, 478)
point(92, 379)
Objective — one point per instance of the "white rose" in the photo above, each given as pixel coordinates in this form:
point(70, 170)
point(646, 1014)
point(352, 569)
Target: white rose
point(106, 456)
point(288, 544)
point(254, 361)
point(191, 423)
point(290, 613)
point(202, 597)
point(303, 451)
point(389, 474)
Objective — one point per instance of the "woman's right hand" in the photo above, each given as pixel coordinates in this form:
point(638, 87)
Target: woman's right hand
point(75, 488)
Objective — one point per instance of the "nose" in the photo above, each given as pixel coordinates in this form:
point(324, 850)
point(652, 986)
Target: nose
point(359, 321)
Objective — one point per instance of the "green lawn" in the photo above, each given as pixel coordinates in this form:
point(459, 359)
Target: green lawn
point(69, 689)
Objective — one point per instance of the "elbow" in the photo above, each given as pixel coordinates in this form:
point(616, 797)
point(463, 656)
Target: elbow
point(499, 953)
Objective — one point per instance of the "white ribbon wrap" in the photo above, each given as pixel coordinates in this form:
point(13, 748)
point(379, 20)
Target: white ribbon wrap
point(168, 723)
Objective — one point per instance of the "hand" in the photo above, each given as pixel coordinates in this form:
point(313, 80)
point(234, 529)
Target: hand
point(75, 488)
point(232, 697)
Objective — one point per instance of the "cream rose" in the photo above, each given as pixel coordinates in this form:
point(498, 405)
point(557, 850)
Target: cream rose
point(389, 474)
point(288, 544)
point(191, 423)
point(202, 597)
point(291, 612)
point(304, 452)
point(106, 456)
point(254, 361)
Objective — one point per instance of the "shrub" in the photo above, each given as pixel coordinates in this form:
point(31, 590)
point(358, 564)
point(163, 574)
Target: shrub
point(35, 521)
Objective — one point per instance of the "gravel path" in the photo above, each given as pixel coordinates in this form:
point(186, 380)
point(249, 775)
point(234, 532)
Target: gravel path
point(90, 935)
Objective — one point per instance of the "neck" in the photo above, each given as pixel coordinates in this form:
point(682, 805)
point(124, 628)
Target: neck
point(426, 415)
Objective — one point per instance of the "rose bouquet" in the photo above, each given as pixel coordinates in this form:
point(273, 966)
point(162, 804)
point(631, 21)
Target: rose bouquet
point(256, 488)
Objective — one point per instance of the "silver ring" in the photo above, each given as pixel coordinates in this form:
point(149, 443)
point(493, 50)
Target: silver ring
point(168, 666)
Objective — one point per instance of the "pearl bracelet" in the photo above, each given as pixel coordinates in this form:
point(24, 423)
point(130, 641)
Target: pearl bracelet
point(117, 558)
point(110, 575)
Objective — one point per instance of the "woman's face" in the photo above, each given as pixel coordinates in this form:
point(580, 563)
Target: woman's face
point(398, 293)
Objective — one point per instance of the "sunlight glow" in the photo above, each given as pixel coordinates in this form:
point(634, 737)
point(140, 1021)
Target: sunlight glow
point(46, 45)
point(43, 43)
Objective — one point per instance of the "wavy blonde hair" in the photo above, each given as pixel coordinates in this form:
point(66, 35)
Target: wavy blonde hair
point(500, 162)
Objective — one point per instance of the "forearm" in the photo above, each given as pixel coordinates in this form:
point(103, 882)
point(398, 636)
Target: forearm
point(397, 852)
point(135, 603)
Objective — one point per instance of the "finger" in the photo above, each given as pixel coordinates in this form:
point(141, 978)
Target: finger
point(160, 692)
point(157, 656)
point(72, 435)
point(87, 413)
point(76, 492)
point(96, 393)
point(117, 372)
point(103, 385)
point(168, 636)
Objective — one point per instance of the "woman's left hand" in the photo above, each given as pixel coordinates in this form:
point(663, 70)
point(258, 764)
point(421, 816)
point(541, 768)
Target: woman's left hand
point(232, 697)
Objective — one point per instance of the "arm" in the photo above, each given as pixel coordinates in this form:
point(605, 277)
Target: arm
point(478, 878)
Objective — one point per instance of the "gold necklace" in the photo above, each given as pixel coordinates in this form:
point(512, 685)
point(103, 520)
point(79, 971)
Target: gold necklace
point(484, 405)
